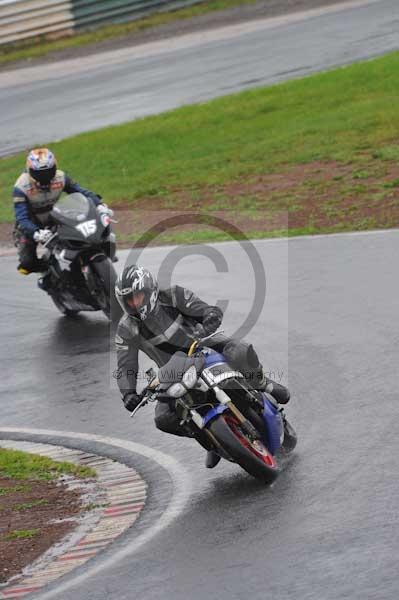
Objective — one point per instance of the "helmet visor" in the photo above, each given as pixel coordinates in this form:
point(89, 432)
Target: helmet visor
point(43, 176)
point(131, 303)
point(135, 301)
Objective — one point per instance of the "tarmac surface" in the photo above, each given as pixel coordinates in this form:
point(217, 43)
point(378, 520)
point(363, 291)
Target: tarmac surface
point(329, 527)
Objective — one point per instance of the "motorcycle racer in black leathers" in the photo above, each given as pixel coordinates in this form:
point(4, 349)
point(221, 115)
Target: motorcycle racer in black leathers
point(161, 322)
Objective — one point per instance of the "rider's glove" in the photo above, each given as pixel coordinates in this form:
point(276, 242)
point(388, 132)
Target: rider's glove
point(103, 209)
point(212, 321)
point(42, 236)
point(131, 401)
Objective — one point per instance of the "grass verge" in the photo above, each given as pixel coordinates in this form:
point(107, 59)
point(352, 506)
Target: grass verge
point(37, 508)
point(41, 47)
point(18, 465)
point(318, 154)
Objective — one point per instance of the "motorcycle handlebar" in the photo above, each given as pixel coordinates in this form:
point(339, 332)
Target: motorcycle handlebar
point(143, 402)
point(50, 240)
point(201, 335)
point(199, 331)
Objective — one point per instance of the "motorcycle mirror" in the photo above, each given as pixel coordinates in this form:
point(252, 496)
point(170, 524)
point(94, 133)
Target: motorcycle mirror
point(49, 240)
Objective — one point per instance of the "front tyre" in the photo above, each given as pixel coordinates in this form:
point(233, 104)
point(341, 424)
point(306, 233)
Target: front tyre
point(105, 276)
point(65, 311)
point(252, 455)
point(290, 437)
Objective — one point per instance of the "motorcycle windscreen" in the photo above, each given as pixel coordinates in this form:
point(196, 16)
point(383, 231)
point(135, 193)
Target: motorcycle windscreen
point(73, 207)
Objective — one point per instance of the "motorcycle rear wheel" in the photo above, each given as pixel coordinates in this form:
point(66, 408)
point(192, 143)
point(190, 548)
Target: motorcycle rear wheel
point(251, 455)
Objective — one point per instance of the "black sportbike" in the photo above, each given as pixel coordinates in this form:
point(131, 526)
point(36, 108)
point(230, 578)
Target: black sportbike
point(80, 275)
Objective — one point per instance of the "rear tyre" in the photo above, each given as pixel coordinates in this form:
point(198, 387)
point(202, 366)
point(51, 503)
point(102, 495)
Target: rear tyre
point(251, 455)
point(106, 275)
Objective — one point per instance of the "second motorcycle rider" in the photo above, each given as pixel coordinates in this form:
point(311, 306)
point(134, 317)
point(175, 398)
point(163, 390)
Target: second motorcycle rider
point(35, 193)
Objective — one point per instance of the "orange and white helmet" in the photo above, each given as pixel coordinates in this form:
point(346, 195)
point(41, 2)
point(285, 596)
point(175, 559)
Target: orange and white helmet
point(41, 165)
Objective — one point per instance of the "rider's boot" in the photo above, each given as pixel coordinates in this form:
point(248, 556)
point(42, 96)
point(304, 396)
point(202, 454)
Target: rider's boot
point(37, 266)
point(278, 391)
point(212, 459)
point(23, 271)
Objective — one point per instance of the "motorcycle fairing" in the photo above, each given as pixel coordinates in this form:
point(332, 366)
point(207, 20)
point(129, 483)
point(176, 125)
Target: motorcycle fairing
point(215, 411)
point(213, 358)
point(77, 220)
point(273, 424)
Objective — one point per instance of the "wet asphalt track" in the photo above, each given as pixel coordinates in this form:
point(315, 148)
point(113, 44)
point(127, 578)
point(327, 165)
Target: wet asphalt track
point(117, 86)
point(329, 528)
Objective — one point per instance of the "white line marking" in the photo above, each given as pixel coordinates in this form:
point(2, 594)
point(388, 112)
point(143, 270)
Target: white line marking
point(316, 236)
point(181, 485)
point(125, 252)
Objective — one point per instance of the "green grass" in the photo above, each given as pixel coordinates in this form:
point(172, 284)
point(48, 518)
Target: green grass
point(212, 235)
point(22, 534)
point(16, 488)
point(392, 184)
point(29, 505)
point(40, 47)
point(343, 115)
point(22, 465)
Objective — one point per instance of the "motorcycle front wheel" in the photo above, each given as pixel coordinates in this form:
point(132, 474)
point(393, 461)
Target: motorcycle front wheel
point(251, 455)
point(65, 311)
point(106, 276)
point(290, 437)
